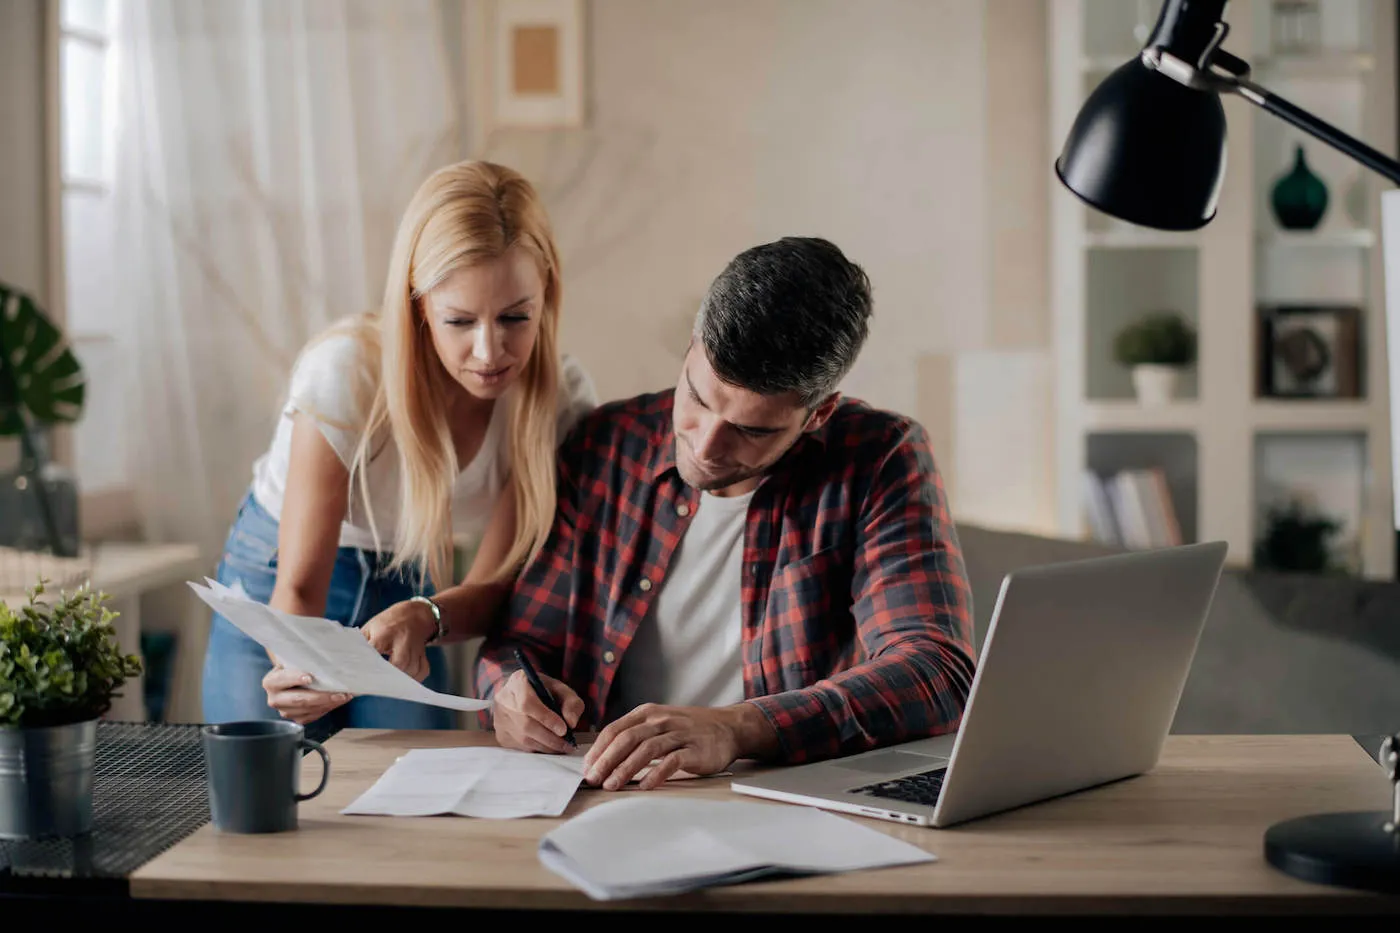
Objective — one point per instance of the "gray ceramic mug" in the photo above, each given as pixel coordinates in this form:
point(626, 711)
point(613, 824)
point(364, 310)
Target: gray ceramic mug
point(252, 772)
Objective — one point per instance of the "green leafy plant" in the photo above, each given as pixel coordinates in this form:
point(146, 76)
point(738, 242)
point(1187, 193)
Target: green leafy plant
point(41, 384)
point(60, 662)
point(41, 381)
point(1297, 540)
point(1163, 337)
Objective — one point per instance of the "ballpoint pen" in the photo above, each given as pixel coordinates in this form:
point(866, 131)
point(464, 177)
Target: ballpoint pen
point(545, 696)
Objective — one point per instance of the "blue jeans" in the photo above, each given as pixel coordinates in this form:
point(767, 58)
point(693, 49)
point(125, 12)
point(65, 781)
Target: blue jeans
point(361, 587)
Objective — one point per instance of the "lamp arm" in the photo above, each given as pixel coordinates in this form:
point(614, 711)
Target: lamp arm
point(1225, 73)
point(1296, 116)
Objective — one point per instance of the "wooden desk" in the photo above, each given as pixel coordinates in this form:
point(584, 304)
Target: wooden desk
point(1184, 838)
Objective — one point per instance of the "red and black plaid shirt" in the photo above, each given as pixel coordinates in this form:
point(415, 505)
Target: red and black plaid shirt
point(856, 605)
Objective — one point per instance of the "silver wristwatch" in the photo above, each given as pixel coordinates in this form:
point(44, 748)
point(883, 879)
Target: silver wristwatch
point(437, 618)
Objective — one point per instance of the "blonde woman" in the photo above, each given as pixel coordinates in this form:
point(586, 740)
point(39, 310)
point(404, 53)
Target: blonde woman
point(435, 418)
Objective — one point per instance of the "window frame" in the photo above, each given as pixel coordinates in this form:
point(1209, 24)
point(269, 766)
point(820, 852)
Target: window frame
point(109, 513)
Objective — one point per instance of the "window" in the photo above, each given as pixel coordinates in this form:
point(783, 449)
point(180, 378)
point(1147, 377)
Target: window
point(97, 327)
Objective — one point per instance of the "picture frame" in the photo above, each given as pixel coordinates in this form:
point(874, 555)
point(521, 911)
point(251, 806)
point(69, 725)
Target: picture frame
point(536, 64)
point(1310, 351)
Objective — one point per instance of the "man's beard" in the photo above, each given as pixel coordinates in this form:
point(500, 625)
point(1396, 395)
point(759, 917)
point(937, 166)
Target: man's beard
point(707, 482)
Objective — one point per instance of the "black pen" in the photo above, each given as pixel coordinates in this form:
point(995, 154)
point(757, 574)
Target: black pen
point(545, 696)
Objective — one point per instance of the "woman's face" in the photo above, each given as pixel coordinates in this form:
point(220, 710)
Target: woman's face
point(484, 320)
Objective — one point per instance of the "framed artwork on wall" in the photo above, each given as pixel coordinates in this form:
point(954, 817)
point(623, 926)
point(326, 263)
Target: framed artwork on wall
point(1310, 351)
point(537, 55)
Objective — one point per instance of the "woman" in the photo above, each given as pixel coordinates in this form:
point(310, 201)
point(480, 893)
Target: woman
point(431, 420)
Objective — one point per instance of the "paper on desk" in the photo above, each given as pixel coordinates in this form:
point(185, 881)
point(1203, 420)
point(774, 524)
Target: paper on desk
point(492, 783)
point(338, 658)
point(644, 846)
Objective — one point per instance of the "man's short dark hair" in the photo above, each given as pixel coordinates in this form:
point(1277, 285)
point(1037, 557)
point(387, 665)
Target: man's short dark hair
point(787, 316)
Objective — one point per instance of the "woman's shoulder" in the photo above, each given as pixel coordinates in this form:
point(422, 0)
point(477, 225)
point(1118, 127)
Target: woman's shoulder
point(334, 375)
point(339, 353)
point(577, 394)
point(574, 380)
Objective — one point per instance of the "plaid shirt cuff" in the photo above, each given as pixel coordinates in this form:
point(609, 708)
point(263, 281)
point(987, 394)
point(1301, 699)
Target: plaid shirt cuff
point(805, 726)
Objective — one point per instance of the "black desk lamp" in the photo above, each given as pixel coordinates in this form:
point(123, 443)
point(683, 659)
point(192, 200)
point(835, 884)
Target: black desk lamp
point(1148, 147)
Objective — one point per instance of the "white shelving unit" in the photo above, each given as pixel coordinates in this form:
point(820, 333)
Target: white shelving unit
point(1228, 451)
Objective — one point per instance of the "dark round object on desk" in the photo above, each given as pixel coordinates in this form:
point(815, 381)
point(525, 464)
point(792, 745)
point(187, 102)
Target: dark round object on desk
point(1352, 850)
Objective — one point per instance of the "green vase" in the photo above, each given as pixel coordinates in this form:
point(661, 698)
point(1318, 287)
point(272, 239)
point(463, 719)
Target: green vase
point(1299, 197)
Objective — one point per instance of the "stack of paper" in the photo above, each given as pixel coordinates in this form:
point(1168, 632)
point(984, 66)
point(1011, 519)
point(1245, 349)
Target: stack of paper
point(339, 659)
point(495, 783)
point(645, 845)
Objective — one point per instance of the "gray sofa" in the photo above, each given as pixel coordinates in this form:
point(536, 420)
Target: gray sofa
point(1281, 653)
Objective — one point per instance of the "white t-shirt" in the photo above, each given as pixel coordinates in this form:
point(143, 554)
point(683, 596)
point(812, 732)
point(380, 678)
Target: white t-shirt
point(323, 386)
point(687, 651)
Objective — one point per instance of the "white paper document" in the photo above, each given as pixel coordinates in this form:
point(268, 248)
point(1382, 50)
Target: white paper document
point(493, 783)
point(339, 659)
point(646, 845)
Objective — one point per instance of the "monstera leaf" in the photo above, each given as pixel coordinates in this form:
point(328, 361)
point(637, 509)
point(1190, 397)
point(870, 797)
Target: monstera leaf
point(40, 378)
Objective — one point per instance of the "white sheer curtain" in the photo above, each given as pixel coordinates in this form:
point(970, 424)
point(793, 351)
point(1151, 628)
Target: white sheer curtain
point(265, 150)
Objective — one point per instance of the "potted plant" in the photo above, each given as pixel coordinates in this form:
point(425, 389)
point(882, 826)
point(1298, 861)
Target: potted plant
point(60, 667)
point(41, 384)
point(1297, 540)
point(1156, 348)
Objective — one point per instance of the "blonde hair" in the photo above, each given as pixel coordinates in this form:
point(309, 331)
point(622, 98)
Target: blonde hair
point(461, 215)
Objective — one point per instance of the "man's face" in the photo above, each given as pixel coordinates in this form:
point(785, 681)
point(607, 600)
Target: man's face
point(727, 437)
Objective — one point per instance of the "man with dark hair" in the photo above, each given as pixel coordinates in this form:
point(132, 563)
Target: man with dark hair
point(747, 566)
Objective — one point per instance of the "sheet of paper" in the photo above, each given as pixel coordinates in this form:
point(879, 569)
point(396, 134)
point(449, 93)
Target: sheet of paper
point(490, 783)
point(338, 658)
point(643, 845)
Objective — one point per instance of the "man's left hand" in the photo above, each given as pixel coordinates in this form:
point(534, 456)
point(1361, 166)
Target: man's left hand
point(698, 739)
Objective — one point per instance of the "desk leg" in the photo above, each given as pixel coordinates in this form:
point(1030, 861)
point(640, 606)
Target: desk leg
point(131, 705)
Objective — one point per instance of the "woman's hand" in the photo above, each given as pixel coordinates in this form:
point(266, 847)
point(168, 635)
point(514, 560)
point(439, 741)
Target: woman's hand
point(401, 633)
point(288, 694)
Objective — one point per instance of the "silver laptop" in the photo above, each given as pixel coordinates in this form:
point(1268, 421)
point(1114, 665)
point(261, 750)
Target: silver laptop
point(1079, 678)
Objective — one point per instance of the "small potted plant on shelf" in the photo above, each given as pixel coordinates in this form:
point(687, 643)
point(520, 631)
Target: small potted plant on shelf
point(1298, 539)
point(60, 667)
point(1156, 348)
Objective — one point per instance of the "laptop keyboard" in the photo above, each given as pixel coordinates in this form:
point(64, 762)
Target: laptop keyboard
point(912, 788)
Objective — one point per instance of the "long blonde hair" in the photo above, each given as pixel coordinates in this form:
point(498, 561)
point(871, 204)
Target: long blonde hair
point(462, 214)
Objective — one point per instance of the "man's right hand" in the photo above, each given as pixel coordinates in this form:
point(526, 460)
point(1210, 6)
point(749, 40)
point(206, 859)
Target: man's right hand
point(287, 693)
point(522, 721)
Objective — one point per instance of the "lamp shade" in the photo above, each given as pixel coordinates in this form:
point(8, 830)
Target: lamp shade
point(1147, 149)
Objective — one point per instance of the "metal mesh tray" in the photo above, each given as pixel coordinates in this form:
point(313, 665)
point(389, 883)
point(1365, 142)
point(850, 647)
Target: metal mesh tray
point(148, 793)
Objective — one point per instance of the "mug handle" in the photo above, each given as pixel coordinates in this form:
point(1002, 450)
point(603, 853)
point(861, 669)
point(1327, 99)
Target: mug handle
point(325, 769)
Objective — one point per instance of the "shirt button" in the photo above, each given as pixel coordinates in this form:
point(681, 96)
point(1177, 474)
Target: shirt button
point(645, 585)
point(682, 510)
point(609, 657)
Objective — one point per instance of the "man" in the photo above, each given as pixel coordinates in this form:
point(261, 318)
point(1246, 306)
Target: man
point(748, 566)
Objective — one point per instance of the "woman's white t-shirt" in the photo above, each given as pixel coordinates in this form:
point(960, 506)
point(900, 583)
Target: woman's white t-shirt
point(323, 386)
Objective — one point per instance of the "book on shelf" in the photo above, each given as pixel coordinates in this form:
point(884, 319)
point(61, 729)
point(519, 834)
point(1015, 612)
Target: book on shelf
point(1131, 509)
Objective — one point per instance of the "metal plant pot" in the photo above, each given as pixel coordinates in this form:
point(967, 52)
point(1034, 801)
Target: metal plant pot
point(46, 780)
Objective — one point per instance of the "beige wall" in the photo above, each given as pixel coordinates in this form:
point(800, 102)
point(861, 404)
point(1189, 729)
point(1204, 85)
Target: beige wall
point(23, 215)
point(717, 124)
